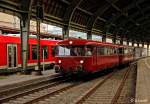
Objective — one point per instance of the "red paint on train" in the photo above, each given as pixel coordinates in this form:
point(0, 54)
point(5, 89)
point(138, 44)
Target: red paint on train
point(72, 58)
point(8, 42)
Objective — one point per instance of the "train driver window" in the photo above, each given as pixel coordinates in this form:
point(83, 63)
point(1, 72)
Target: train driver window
point(74, 51)
point(67, 51)
point(61, 51)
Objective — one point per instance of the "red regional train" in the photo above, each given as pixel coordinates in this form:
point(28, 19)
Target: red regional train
point(87, 56)
point(10, 53)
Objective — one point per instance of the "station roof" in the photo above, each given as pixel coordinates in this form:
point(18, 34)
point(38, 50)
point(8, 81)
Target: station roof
point(129, 19)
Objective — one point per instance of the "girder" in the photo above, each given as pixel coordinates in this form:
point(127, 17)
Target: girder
point(70, 10)
point(98, 18)
point(98, 13)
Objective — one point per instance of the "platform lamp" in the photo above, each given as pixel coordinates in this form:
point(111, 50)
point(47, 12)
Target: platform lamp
point(39, 18)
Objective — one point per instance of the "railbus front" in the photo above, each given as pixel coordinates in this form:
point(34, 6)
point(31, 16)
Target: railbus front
point(73, 56)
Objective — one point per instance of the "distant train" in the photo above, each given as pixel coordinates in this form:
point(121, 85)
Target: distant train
point(87, 56)
point(10, 53)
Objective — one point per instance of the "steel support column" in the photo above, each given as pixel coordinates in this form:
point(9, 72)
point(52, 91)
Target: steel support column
point(127, 42)
point(39, 17)
point(104, 38)
point(37, 68)
point(65, 32)
point(138, 45)
point(24, 26)
point(114, 39)
point(121, 41)
point(89, 35)
point(148, 49)
point(133, 43)
point(143, 45)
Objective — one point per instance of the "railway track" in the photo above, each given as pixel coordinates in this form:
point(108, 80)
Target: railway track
point(106, 89)
point(17, 91)
point(102, 94)
point(70, 94)
point(37, 94)
point(127, 95)
point(79, 93)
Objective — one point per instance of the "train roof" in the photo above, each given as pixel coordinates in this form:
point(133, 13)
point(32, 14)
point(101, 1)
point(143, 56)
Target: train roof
point(17, 40)
point(84, 42)
point(125, 46)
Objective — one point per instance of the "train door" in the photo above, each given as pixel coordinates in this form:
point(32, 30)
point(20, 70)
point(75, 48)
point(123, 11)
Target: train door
point(12, 61)
point(94, 56)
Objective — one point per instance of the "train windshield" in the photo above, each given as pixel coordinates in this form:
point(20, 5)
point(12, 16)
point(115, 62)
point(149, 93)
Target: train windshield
point(73, 50)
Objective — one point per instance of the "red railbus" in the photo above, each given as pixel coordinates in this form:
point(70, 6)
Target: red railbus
point(126, 54)
point(10, 53)
point(78, 55)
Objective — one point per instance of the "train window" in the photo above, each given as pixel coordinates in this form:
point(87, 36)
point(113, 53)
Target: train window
point(115, 50)
point(76, 51)
point(110, 51)
point(130, 50)
point(45, 51)
point(121, 51)
point(101, 50)
point(88, 50)
point(126, 51)
point(106, 50)
point(62, 51)
point(79, 51)
point(73, 50)
point(54, 51)
point(34, 52)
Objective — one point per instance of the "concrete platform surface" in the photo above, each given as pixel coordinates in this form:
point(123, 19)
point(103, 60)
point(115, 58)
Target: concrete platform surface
point(143, 82)
point(17, 80)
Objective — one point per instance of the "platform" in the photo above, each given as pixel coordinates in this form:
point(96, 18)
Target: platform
point(17, 80)
point(143, 82)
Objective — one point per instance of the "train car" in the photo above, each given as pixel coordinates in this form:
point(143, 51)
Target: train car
point(87, 56)
point(10, 53)
point(140, 52)
point(126, 54)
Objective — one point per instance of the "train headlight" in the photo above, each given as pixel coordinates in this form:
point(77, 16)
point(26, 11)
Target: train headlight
point(70, 42)
point(81, 61)
point(59, 61)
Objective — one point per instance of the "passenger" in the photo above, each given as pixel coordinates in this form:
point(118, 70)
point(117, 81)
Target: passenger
point(88, 51)
point(74, 52)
